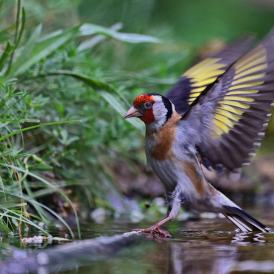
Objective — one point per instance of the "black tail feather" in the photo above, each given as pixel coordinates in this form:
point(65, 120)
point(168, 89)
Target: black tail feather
point(243, 220)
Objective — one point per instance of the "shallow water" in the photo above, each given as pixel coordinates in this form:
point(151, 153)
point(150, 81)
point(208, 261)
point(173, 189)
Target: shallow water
point(201, 246)
point(205, 246)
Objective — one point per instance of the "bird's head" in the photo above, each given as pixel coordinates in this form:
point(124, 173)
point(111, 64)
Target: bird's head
point(153, 109)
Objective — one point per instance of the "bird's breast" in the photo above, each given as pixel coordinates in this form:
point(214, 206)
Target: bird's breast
point(173, 170)
point(160, 143)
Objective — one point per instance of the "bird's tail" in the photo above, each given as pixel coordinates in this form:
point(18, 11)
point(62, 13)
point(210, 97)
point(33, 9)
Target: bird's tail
point(244, 221)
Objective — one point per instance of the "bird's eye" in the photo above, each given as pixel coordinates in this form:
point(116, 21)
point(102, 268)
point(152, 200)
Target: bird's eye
point(147, 105)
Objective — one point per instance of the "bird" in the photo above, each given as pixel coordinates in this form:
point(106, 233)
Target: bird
point(214, 117)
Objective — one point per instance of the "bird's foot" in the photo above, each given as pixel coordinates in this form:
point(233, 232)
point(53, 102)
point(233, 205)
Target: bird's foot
point(155, 231)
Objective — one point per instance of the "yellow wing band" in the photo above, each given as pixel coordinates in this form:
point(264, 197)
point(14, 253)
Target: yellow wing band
point(203, 74)
point(248, 72)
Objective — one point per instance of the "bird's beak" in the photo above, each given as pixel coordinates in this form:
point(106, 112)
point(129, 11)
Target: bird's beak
point(132, 112)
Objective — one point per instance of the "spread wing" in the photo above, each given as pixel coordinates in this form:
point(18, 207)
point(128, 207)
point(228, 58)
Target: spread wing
point(198, 78)
point(234, 114)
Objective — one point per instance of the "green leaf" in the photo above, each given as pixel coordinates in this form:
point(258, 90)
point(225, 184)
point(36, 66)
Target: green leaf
point(27, 50)
point(19, 29)
point(4, 228)
point(104, 90)
point(94, 83)
point(91, 29)
point(90, 43)
point(116, 105)
point(19, 131)
point(42, 49)
point(5, 55)
point(5, 33)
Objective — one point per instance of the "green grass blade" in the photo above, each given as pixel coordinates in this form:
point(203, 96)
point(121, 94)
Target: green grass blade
point(5, 55)
point(116, 105)
point(91, 43)
point(19, 217)
point(94, 83)
point(26, 52)
point(91, 29)
point(37, 204)
point(19, 131)
point(19, 29)
point(102, 87)
point(42, 49)
point(50, 185)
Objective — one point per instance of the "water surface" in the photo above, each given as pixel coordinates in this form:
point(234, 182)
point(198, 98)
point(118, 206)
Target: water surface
point(197, 246)
point(204, 246)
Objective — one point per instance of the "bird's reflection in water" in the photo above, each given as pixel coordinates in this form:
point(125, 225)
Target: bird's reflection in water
point(243, 238)
point(198, 260)
point(199, 257)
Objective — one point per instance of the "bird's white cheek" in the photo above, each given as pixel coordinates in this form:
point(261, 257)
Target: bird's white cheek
point(159, 112)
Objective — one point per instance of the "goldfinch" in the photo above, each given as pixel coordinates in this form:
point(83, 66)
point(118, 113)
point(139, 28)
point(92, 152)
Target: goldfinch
point(215, 116)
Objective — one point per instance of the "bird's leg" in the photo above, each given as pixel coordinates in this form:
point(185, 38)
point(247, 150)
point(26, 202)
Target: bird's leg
point(156, 230)
point(175, 207)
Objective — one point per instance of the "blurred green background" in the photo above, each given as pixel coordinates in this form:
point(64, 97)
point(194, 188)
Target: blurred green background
point(194, 22)
point(66, 88)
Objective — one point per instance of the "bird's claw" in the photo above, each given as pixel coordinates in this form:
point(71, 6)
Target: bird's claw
point(155, 231)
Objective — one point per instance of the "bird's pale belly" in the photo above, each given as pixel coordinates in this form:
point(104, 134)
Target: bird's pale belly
point(181, 174)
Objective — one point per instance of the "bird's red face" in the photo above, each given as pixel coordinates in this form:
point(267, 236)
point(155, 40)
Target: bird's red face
point(142, 108)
